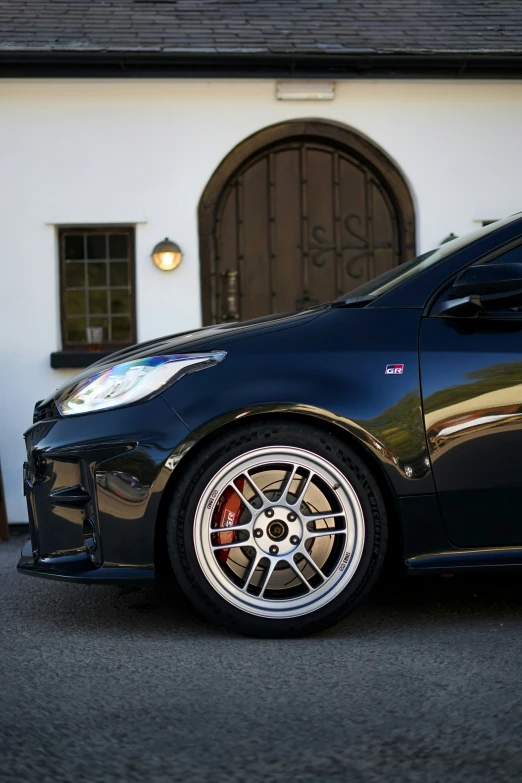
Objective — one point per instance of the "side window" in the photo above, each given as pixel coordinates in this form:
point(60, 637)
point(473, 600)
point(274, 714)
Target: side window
point(97, 288)
point(513, 256)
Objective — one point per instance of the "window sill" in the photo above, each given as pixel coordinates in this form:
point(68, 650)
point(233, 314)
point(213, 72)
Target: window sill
point(61, 360)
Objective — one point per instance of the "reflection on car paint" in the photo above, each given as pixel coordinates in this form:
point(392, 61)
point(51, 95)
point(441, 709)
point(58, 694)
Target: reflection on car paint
point(488, 397)
point(123, 485)
point(399, 433)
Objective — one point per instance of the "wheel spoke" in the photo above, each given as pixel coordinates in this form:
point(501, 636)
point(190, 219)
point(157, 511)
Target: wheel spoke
point(304, 490)
point(257, 490)
point(252, 568)
point(324, 531)
point(311, 562)
point(233, 545)
point(285, 489)
point(297, 571)
point(233, 528)
point(243, 499)
point(323, 515)
point(270, 571)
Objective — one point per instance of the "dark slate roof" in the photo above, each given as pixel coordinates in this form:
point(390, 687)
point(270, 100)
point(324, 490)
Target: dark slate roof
point(262, 26)
point(280, 38)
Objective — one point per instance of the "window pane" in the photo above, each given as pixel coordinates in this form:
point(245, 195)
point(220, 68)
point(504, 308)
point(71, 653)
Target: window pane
point(97, 320)
point(96, 245)
point(118, 246)
point(97, 274)
point(74, 275)
point(75, 302)
point(513, 256)
point(119, 273)
point(97, 302)
point(119, 301)
point(73, 247)
point(121, 331)
point(76, 330)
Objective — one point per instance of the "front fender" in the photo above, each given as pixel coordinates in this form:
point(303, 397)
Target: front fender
point(332, 369)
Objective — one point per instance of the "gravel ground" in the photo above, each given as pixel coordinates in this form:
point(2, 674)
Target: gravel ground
point(423, 684)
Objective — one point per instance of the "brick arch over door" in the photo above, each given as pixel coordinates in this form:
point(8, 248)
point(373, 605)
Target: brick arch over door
point(298, 214)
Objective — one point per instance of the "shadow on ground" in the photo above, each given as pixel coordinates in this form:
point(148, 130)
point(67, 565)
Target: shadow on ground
point(397, 602)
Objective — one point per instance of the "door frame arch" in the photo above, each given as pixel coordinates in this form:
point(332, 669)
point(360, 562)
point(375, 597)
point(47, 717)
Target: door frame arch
point(337, 134)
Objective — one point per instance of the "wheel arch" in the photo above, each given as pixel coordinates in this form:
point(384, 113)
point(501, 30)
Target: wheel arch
point(352, 435)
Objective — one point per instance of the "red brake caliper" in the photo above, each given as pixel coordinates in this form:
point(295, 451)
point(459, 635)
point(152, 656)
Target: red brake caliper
point(227, 514)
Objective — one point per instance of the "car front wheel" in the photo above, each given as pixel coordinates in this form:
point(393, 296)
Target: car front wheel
point(277, 529)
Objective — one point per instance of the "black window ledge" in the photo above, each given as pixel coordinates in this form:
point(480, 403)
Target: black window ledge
point(75, 359)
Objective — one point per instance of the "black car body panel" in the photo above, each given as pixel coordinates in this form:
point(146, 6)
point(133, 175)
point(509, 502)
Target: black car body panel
point(121, 478)
point(333, 369)
point(95, 482)
point(473, 414)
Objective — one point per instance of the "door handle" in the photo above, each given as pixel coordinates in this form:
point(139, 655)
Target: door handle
point(231, 310)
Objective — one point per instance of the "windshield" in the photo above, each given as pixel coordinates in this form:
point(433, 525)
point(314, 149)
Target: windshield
point(394, 277)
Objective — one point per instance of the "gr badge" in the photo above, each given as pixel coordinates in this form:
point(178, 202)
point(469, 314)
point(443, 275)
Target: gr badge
point(394, 369)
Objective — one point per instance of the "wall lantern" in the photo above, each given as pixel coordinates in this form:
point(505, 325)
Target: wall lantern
point(167, 255)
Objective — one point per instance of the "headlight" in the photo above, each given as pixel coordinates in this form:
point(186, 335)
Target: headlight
point(131, 381)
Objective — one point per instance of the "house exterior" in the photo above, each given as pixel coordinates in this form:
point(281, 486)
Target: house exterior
point(291, 149)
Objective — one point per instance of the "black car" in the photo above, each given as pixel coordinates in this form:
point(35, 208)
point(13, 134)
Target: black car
point(271, 464)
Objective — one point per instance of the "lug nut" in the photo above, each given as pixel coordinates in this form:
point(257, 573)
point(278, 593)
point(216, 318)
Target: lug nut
point(269, 512)
point(274, 549)
point(292, 517)
point(294, 539)
point(258, 532)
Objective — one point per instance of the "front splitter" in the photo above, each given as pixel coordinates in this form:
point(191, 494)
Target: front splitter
point(83, 571)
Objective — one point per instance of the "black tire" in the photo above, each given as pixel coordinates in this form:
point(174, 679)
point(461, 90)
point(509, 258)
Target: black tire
point(196, 476)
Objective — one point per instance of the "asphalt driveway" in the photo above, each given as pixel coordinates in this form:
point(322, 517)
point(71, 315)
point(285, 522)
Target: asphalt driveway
point(423, 683)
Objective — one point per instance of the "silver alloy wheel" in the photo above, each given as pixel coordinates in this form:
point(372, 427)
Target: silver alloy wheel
point(297, 539)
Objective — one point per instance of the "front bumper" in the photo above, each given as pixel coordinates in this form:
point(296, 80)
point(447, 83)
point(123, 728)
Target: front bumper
point(93, 485)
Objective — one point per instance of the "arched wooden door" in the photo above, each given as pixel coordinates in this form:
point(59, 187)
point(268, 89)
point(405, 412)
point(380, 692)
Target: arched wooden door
point(296, 215)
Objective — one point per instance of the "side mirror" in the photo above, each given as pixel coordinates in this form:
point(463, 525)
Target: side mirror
point(484, 287)
point(486, 280)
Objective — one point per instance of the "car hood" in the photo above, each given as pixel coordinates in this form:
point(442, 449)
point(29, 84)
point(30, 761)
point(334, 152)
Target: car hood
point(205, 339)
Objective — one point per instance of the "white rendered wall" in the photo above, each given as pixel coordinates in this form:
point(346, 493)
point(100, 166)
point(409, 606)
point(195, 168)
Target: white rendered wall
point(142, 151)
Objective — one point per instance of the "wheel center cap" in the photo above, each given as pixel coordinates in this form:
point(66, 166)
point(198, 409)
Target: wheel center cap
point(277, 530)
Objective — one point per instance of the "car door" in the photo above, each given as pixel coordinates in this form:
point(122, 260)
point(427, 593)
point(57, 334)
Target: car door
point(471, 378)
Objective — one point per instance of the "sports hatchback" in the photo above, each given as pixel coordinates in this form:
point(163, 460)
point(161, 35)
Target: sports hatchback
point(269, 465)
